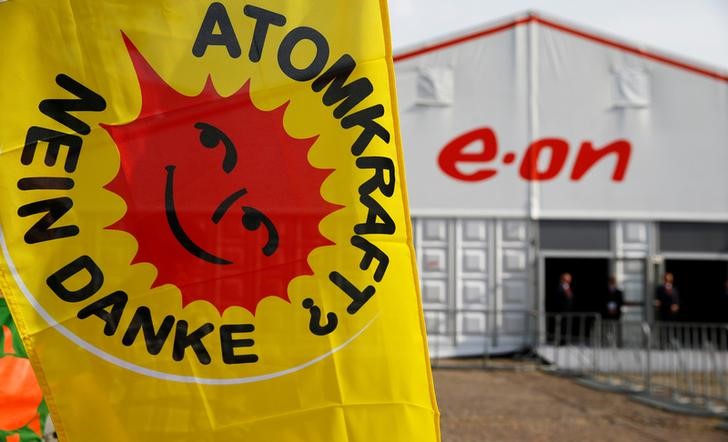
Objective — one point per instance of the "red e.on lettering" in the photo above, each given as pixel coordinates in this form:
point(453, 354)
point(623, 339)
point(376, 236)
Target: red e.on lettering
point(534, 166)
point(529, 164)
point(453, 153)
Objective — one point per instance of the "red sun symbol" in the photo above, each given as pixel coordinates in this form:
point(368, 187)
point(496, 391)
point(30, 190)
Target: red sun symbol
point(221, 200)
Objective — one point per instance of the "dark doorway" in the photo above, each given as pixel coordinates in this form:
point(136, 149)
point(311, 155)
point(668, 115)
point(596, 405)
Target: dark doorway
point(589, 281)
point(701, 285)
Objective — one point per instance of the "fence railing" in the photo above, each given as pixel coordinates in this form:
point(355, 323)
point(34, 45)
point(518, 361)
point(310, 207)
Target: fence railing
point(514, 329)
point(680, 365)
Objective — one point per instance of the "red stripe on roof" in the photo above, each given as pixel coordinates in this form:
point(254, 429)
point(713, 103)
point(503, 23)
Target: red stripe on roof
point(462, 39)
point(632, 49)
point(563, 28)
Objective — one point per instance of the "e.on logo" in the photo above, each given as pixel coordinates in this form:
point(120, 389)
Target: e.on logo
point(532, 167)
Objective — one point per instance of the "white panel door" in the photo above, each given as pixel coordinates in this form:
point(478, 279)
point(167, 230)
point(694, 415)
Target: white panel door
point(475, 284)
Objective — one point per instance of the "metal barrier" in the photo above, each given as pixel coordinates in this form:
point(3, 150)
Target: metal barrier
point(679, 366)
point(569, 341)
point(502, 331)
point(689, 365)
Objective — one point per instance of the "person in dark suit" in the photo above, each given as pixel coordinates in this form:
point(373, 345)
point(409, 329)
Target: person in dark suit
point(564, 294)
point(667, 300)
point(612, 302)
point(564, 303)
point(667, 303)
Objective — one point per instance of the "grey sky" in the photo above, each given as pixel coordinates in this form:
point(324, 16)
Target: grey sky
point(693, 29)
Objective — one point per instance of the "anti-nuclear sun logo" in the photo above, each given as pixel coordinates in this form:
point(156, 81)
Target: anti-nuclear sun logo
point(218, 204)
point(220, 199)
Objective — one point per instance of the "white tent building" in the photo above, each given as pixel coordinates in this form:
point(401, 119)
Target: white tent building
point(535, 147)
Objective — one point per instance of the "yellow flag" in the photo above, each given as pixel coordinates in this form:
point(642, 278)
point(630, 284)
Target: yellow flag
point(204, 223)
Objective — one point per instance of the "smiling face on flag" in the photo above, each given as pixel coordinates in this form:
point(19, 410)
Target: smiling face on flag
point(199, 179)
point(204, 215)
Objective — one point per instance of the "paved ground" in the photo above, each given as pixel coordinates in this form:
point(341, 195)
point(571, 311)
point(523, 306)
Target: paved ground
point(479, 405)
